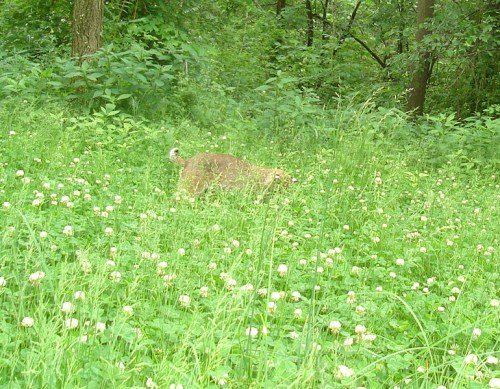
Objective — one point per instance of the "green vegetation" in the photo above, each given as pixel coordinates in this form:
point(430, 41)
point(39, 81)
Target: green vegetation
point(378, 269)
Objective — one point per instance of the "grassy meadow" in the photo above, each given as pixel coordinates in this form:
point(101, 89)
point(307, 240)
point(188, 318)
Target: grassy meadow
point(377, 270)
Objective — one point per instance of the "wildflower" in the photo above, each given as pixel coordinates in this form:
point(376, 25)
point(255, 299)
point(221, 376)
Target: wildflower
point(6, 205)
point(400, 262)
point(440, 309)
point(348, 342)
point(494, 383)
point(115, 276)
point(150, 383)
point(181, 252)
point(204, 291)
point(79, 295)
point(455, 290)
point(492, 360)
point(471, 359)
point(68, 231)
point(271, 307)
point(212, 266)
point(275, 296)
point(262, 292)
point(344, 372)
point(293, 335)
point(36, 277)
point(379, 289)
point(368, 337)
point(355, 270)
point(360, 329)
point(476, 332)
point(100, 326)
point(415, 286)
point(392, 274)
point(128, 310)
point(335, 327)
point(184, 300)
point(252, 332)
point(351, 297)
point(495, 303)
point(27, 322)
point(71, 323)
point(67, 307)
point(297, 313)
point(20, 173)
point(3, 282)
point(216, 228)
point(83, 339)
point(360, 309)
point(118, 199)
point(282, 269)
point(296, 296)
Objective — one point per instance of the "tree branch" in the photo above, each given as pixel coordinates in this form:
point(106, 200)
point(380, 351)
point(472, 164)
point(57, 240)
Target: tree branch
point(348, 28)
point(372, 53)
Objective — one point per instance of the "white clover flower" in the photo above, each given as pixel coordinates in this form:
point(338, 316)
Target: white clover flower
point(177, 386)
point(128, 310)
point(20, 173)
point(355, 270)
point(379, 289)
point(471, 359)
point(495, 303)
point(415, 286)
point(360, 309)
point(348, 342)
point(420, 369)
point(360, 329)
point(68, 231)
point(118, 199)
point(440, 309)
point(43, 234)
point(368, 337)
point(71, 323)
point(100, 326)
point(110, 263)
point(492, 360)
point(455, 290)
point(476, 332)
point(27, 322)
point(392, 274)
point(252, 332)
point(297, 313)
point(247, 288)
point(150, 383)
point(235, 243)
point(216, 228)
point(181, 252)
point(184, 300)
point(335, 326)
point(67, 307)
point(204, 291)
point(282, 269)
point(271, 307)
point(248, 252)
point(296, 296)
point(351, 297)
point(400, 262)
point(344, 372)
point(293, 335)
point(3, 282)
point(264, 331)
point(115, 276)
point(275, 296)
point(212, 266)
point(108, 231)
point(79, 295)
point(83, 339)
point(6, 205)
point(494, 383)
point(36, 277)
point(36, 202)
point(303, 262)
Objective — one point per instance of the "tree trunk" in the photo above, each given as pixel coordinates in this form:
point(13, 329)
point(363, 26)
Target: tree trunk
point(280, 4)
point(422, 72)
point(87, 28)
point(310, 23)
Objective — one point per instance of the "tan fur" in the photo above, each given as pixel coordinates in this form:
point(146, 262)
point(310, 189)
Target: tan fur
point(203, 171)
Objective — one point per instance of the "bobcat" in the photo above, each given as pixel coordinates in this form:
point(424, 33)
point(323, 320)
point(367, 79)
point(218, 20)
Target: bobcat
point(203, 171)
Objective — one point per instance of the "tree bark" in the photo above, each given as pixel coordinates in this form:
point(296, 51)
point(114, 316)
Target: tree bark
point(422, 72)
point(87, 28)
point(310, 23)
point(280, 4)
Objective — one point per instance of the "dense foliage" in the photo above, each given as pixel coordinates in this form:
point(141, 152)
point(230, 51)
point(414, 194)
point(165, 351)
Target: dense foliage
point(377, 269)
